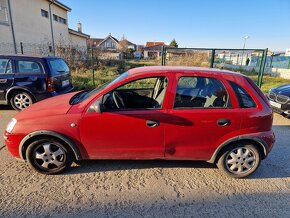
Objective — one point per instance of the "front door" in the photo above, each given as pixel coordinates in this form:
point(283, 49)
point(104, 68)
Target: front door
point(208, 119)
point(131, 124)
point(6, 77)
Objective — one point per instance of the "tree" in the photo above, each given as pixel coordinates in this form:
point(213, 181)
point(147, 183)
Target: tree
point(173, 43)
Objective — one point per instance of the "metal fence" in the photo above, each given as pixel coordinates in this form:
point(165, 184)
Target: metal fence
point(233, 59)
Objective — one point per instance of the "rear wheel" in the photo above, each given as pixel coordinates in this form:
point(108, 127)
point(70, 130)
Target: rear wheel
point(240, 160)
point(49, 156)
point(21, 100)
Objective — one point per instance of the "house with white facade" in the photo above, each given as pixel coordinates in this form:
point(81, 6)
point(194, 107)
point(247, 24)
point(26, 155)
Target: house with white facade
point(38, 26)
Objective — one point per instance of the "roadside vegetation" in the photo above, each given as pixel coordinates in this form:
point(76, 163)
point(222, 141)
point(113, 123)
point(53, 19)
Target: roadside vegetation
point(83, 79)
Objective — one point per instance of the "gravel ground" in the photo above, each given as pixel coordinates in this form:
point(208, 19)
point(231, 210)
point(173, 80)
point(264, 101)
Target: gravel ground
point(147, 188)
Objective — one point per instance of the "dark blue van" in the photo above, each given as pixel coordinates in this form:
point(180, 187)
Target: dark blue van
point(27, 79)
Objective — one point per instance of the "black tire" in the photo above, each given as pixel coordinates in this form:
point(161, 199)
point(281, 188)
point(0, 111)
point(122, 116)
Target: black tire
point(235, 163)
point(53, 156)
point(20, 100)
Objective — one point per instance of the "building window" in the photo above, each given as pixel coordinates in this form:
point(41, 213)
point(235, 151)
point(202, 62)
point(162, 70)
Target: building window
point(3, 12)
point(62, 20)
point(55, 18)
point(59, 19)
point(44, 13)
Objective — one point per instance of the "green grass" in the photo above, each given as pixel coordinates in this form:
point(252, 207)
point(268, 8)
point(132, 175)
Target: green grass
point(268, 81)
point(84, 80)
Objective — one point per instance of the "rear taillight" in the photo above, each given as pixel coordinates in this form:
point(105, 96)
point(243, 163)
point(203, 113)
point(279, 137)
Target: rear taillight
point(49, 84)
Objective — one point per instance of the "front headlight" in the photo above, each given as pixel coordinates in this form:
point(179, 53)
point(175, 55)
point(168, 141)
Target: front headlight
point(11, 125)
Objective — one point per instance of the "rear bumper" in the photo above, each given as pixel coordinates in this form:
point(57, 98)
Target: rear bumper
point(68, 89)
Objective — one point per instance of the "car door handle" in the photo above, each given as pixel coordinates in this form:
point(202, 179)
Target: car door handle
point(152, 123)
point(223, 122)
point(3, 80)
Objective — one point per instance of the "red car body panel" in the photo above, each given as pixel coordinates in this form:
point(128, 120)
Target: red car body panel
point(188, 134)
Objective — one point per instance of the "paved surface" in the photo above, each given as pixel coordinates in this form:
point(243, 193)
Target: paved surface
point(147, 188)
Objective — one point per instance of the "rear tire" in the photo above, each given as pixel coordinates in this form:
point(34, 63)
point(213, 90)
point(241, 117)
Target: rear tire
point(20, 100)
point(239, 160)
point(49, 156)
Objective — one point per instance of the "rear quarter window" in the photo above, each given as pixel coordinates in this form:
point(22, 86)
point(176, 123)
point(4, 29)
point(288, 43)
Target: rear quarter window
point(244, 98)
point(57, 67)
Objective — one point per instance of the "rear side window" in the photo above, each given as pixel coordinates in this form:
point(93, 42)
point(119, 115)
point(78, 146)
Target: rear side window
point(28, 67)
point(245, 100)
point(200, 92)
point(5, 66)
point(58, 67)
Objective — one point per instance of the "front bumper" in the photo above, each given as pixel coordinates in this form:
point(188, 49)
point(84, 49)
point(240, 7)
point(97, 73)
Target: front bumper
point(12, 141)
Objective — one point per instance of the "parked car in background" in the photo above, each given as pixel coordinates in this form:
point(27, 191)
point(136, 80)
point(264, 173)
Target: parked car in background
point(28, 79)
point(279, 98)
point(171, 113)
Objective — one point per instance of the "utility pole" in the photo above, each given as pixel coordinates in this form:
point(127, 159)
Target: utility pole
point(51, 27)
point(12, 27)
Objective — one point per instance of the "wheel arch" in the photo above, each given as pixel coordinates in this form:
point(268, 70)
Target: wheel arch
point(26, 141)
point(18, 88)
point(258, 142)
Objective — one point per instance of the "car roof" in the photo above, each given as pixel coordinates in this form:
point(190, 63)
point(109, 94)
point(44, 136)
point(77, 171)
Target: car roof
point(183, 69)
point(27, 56)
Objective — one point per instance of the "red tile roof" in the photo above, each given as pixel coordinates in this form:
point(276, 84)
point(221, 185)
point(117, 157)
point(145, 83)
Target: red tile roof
point(149, 44)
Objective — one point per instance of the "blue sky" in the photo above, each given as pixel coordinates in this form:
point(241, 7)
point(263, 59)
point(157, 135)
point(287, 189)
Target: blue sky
point(193, 23)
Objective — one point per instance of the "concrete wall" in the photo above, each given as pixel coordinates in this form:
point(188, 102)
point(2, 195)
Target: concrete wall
point(31, 27)
point(78, 41)
point(283, 73)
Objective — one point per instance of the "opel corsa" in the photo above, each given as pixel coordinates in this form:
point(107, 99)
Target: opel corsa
point(171, 113)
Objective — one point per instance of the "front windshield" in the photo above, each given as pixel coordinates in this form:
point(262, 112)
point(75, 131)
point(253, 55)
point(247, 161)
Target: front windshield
point(87, 94)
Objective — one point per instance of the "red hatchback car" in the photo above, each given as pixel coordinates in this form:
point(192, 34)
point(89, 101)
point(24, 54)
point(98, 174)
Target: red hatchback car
point(172, 113)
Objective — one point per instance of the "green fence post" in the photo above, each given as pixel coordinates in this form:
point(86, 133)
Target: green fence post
point(264, 64)
point(260, 70)
point(212, 58)
point(164, 57)
point(93, 70)
point(162, 54)
point(262, 67)
point(289, 64)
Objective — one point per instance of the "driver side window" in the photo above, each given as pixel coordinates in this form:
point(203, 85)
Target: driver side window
point(146, 93)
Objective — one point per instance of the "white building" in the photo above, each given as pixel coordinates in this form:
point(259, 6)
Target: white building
point(24, 24)
point(287, 52)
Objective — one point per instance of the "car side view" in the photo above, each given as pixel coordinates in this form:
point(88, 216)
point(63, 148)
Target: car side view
point(170, 113)
point(28, 79)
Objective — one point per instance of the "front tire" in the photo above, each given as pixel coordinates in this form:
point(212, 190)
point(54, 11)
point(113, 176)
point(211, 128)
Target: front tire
point(49, 156)
point(21, 100)
point(240, 160)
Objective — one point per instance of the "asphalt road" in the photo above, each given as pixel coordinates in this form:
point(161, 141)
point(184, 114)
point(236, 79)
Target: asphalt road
point(147, 188)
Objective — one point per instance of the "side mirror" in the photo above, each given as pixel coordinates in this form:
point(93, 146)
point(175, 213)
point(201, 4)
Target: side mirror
point(97, 107)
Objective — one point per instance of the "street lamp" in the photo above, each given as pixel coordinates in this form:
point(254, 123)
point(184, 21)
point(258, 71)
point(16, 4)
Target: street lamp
point(245, 40)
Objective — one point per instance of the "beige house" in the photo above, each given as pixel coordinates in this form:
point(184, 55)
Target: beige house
point(38, 26)
point(110, 47)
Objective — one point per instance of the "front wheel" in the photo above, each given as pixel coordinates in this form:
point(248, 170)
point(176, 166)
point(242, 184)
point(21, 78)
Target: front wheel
point(240, 160)
point(48, 156)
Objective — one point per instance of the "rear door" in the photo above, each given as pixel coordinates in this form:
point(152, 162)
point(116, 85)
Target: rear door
point(6, 76)
point(59, 73)
point(30, 73)
point(208, 116)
